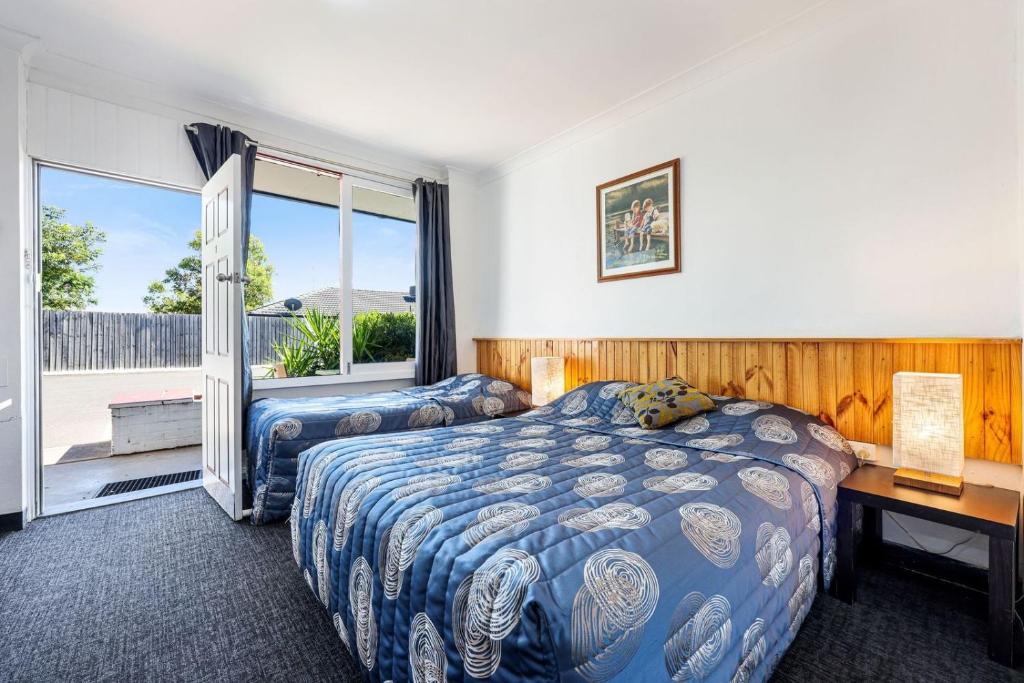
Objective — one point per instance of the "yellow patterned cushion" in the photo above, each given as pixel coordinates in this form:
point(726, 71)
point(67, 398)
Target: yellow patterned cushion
point(661, 403)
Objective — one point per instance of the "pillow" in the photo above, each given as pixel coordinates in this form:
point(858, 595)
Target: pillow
point(513, 399)
point(487, 395)
point(592, 402)
point(661, 403)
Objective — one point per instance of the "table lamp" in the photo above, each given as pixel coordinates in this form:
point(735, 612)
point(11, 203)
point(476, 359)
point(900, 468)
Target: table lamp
point(928, 431)
point(547, 376)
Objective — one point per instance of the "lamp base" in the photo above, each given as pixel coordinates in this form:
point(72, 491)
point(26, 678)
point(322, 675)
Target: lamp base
point(929, 481)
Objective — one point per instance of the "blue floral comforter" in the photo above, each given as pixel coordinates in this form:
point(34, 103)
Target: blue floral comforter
point(281, 428)
point(569, 544)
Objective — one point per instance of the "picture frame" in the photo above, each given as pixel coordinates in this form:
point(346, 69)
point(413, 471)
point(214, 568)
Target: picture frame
point(638, 224)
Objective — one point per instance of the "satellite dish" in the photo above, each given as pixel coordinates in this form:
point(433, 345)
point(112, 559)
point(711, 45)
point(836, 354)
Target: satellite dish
point(292, 304)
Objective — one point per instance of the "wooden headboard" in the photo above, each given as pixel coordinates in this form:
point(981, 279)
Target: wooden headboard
point(846, 382)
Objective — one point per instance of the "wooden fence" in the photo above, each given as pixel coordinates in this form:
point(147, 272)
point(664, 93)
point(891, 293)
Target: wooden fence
point(91, 340)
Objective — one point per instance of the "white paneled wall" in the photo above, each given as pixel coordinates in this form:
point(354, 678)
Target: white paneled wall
point(82, 131)
point(13, 432)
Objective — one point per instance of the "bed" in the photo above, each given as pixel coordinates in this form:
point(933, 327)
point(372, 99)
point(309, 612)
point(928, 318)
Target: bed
point(281, 428)
point(569, 544)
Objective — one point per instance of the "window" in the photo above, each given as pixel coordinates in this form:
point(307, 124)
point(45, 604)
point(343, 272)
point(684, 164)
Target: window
point(340, 255)
point(383, 277)
point(292, 295)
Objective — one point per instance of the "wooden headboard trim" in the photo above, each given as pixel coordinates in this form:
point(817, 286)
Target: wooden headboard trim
point(846, 382)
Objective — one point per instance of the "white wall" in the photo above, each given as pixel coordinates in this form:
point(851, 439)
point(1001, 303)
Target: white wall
point(12, 274)
point(862, 181)
point(466, 247)
point(84, 131)
point(82, 115)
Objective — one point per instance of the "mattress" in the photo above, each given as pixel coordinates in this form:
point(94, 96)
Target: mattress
point(281, 428)
point(569, 544)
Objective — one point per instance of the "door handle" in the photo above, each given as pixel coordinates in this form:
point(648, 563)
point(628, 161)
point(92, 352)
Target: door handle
point(236, 278)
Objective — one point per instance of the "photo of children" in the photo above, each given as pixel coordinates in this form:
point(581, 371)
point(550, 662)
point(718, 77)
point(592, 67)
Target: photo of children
point(638, 224)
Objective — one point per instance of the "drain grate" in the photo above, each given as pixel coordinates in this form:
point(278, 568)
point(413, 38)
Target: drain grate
point(118, 487)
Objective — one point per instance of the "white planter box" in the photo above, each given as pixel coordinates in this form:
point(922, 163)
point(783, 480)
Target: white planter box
point(153, 421)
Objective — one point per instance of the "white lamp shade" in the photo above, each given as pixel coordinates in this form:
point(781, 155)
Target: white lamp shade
point(928, 422)
point(547, 376)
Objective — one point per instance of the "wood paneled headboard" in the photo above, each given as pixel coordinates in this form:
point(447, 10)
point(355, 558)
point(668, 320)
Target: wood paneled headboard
point(846, 382)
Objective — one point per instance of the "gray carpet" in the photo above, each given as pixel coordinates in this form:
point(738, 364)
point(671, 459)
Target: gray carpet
point(166, 588)
point(169, 589)
point(903, 627)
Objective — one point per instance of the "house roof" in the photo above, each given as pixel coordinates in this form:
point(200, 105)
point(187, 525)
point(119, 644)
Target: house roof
point(328, 301)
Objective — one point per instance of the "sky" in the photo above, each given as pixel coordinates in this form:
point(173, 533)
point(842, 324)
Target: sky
point(149, 227)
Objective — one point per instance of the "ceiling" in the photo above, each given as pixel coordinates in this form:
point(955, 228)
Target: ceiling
point(469, 83)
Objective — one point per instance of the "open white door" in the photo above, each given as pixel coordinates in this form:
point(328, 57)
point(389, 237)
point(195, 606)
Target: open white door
point(222, 336)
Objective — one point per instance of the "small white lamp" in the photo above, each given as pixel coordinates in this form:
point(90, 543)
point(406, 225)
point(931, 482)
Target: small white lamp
point(547, 375)
point(928, 431)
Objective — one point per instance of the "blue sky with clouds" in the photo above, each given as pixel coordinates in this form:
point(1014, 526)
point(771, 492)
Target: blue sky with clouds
point(148, 228)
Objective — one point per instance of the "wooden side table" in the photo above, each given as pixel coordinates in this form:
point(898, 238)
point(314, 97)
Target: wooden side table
point(990, 511)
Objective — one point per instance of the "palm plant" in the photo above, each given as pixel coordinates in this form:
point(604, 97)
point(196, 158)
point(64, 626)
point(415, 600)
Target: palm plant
point(315, 344)
point(322, 337)
point(297, 358)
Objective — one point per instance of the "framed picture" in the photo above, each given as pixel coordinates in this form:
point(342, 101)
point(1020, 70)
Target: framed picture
point(638, 224)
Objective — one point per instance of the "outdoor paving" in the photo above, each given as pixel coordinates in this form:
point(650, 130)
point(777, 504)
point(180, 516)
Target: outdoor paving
point(76, 482)
point(75, 405)
point(77, 429)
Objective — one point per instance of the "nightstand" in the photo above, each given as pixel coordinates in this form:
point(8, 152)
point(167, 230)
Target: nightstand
point(987, 510)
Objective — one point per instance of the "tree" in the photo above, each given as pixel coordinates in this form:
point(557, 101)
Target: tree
point(71, 255)
point(181, 289)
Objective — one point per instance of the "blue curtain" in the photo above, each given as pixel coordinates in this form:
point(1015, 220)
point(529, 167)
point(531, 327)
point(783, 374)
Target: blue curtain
point(436, 358)
point(213, 145)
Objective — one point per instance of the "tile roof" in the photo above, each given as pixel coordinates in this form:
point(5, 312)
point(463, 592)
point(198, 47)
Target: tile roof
point(363, 300)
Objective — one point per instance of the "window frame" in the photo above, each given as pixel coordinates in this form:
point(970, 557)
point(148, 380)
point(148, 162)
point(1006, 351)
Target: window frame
point(349, 372)
point(347, 210)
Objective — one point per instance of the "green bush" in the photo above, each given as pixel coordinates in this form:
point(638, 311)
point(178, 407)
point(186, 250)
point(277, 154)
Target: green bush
point(376, 338)
point(383, 337)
